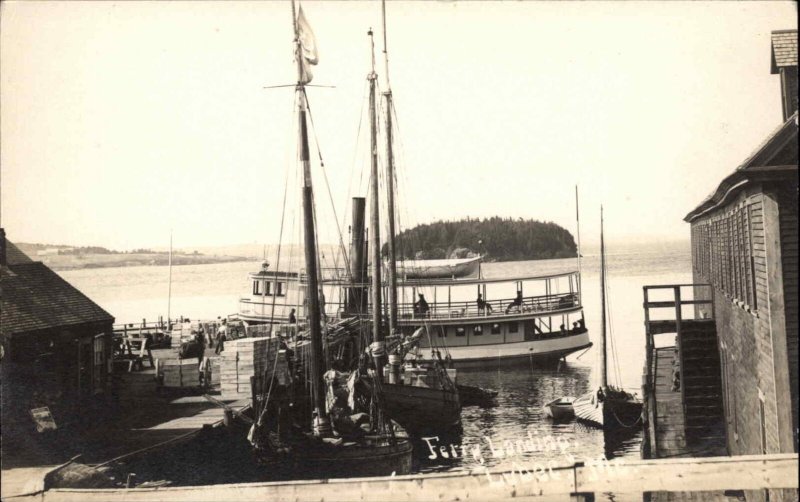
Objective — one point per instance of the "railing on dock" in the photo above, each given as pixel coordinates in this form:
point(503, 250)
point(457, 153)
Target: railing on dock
point(673, 325)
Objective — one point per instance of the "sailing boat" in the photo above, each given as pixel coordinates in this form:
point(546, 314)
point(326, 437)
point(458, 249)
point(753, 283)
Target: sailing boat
point(324, 440)
point(427, 400)
point(607, 407)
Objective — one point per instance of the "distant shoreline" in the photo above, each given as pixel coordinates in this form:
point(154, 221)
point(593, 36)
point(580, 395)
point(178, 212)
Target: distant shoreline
point(92, 261)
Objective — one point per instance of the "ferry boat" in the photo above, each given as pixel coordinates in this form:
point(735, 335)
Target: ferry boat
point(530, 320)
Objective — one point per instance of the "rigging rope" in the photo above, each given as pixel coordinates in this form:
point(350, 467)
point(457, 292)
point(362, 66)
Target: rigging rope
point(328, 187)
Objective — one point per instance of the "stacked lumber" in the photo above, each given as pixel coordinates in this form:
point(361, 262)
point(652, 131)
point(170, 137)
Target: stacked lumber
point(179, 372)
point(213, 366)
point(242, 359)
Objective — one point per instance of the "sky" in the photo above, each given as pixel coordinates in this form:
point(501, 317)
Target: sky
point(123, 122)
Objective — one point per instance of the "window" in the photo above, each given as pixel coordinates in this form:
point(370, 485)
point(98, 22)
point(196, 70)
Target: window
point(477, 330)
point(279, 289)
point(268, 288)
point(257, 287)
point(460, 331)
point(495, 329)
point(513, 327)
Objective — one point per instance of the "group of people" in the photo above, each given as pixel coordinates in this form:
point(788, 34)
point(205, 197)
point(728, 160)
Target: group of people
point(196, 346)
point(421, 307)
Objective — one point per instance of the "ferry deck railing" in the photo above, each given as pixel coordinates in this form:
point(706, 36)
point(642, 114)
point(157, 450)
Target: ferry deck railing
point(673, 325)
point(494, 308)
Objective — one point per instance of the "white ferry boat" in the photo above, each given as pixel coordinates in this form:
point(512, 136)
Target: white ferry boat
point(526, 320)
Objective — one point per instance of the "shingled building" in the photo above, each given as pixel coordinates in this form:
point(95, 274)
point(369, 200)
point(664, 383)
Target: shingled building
point(745, 243)
point(56, 346)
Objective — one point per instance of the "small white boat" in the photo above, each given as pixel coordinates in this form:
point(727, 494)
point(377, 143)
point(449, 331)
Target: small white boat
point(430, 269)
point(560, 409)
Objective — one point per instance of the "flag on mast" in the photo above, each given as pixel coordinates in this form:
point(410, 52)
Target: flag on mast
point(308, 46)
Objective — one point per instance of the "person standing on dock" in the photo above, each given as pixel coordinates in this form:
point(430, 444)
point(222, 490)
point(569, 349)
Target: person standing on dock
point(222, 335)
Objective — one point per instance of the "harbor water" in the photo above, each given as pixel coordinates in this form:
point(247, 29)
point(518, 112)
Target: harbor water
point(515, 429)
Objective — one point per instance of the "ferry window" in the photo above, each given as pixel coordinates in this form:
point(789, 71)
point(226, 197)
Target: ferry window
point(279, 289)
point(460, 331)
point(267, 288)
point(440, 332)
point(256, 287)
point(477, 330)
point(495, 329)
point(513, 327)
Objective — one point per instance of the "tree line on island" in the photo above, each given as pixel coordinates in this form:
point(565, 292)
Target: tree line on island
point(498, 239)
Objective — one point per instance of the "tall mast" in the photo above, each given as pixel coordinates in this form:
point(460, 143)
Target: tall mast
point(578, 221)
point(375, 241)
point(322, 425)
point(603, 376)
point(390, 187)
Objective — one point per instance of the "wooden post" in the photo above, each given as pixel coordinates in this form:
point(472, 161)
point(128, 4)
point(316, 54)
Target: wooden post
point(678, 318)
point(253, 396)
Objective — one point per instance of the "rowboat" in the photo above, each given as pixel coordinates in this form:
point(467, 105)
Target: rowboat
point(437, 269)
point(560, 409)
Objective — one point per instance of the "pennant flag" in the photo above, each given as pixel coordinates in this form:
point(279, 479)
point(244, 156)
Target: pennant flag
point(308, 47)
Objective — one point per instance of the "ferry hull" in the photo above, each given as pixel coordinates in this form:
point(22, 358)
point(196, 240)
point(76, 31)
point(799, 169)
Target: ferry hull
point(536, 352)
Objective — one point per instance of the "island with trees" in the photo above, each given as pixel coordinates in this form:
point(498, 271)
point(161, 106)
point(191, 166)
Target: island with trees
point(496, 238)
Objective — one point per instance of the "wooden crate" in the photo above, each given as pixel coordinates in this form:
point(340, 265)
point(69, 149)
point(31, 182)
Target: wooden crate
point(178, 372)
point(244, 358)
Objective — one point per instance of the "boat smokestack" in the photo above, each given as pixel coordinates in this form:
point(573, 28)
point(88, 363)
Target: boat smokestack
point(357, 300)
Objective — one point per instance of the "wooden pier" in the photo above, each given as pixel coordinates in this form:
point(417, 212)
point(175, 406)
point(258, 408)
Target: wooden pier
point(145, 420)
point(631, 480)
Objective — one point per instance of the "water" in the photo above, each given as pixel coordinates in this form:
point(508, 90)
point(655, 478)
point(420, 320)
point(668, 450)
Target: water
point(514, 430)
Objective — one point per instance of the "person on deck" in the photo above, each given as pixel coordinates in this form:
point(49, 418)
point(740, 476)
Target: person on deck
point(482, 305)
point(516, 303)
point(292, 317)
point(421, 306)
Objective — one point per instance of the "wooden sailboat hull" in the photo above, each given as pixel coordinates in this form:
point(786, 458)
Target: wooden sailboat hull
point(348, 460)
point(609, 414)
point(421, 410)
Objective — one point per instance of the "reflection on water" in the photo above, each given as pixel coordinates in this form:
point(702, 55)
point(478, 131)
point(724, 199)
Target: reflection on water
point(516, 429)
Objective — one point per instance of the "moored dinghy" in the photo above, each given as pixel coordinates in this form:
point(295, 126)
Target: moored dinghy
point(560, 409)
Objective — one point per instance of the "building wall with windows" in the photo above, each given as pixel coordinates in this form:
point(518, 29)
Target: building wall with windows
point(737, 247)
point(745, 243)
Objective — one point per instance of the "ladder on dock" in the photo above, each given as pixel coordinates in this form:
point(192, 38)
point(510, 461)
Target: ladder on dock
point(683, 385)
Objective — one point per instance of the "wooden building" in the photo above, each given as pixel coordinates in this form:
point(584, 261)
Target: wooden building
point(744, 243)
point(56, 346)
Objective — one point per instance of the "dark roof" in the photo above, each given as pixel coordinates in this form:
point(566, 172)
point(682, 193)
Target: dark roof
point(774, 159)
point(33, 297)
point(14, 256)
point(784, 49)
